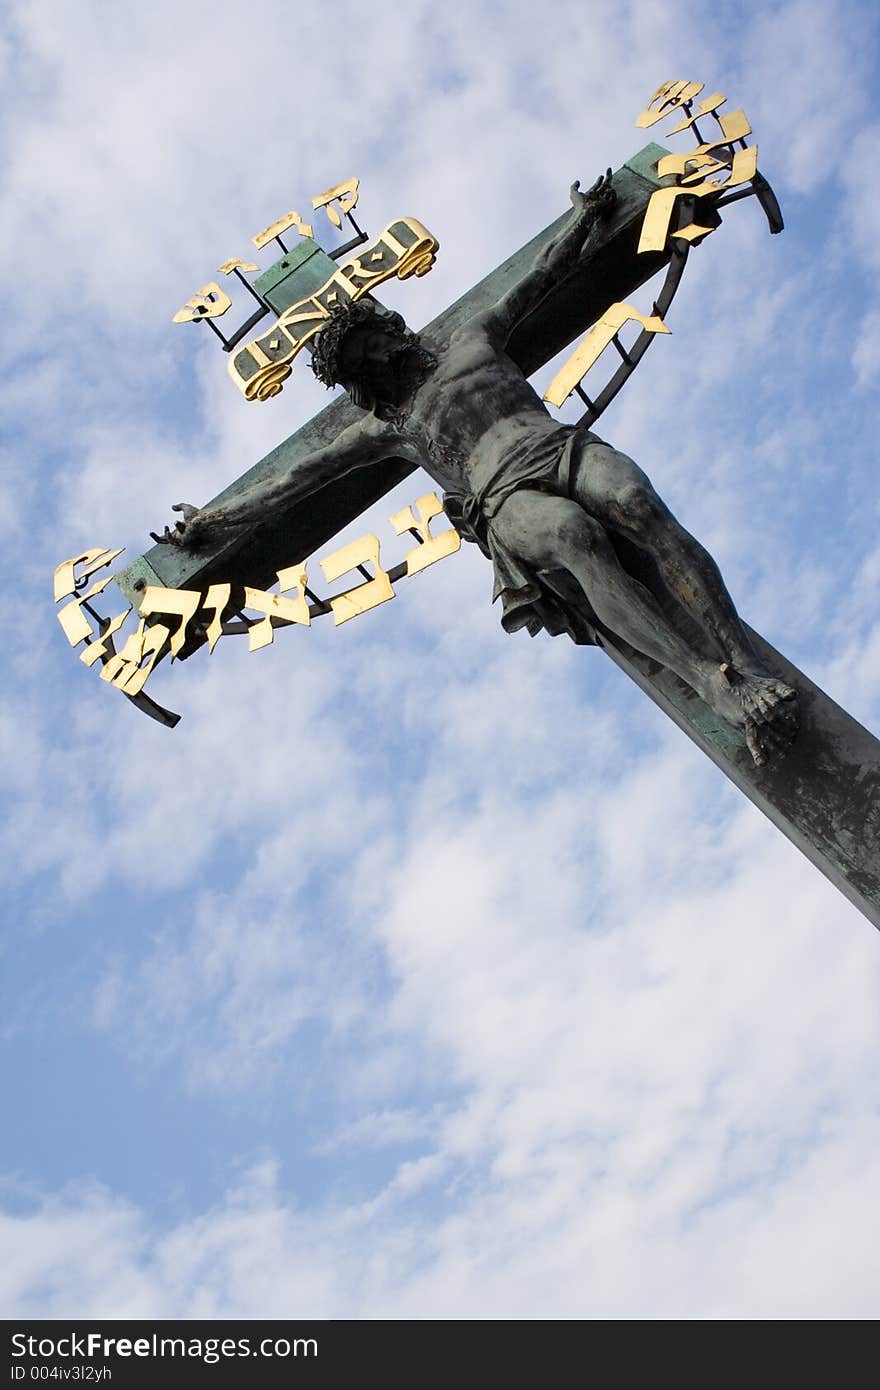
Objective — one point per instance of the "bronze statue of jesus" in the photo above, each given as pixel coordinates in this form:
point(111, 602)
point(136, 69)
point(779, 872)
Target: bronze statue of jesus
point(548, 503)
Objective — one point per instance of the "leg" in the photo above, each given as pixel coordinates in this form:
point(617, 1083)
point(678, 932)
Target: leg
point(614, 489)
point(550, 532)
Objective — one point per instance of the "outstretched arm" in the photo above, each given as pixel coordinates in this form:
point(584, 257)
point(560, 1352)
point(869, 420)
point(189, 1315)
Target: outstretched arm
point(555, 260)
point(355, 447)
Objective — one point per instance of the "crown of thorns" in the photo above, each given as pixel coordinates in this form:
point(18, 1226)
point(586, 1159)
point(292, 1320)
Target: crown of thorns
point(345, 319)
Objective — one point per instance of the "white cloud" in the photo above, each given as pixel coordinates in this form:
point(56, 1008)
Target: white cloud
point(866, 353)
point(794, 54)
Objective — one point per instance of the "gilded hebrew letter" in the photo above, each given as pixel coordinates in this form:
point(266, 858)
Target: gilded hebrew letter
point(96, 650)
point(345, 194)
point(178, 601)
point(73, 620)
point(691, 168)
point(217, 598)
point(126, 671)
point(670, 96)
point(658, 215)
point(365, 596)
point(734, 126)
point(66, 578)
point(432, 548)
point(695, 165)
point(209, 303)
point(235, 262)
point(740, 164)
point(595, 343)
point(707, 107)
point(290, 219)
point(293, 610)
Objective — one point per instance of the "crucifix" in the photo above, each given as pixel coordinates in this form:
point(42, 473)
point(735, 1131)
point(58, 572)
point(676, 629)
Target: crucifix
point(579, 540)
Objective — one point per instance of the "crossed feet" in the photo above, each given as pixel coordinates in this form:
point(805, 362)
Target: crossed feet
point(761, 705)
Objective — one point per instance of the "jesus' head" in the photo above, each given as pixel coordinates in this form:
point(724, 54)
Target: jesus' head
point(371, 352)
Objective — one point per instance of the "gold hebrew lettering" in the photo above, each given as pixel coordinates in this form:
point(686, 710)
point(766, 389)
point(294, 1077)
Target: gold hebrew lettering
point(217, 598)
point(293, 610)
point(126, 671)
point(365, 596)
point(75, 624)
point(117, 664)
point(658, 214)
point(184, 602)
point(704, 160)
point(73, 620)
point(595, 343)
point(209, 303)
point(290, 219)
point(111, 668)
point(96, 650)
point(700, 161)
point(66, 577)
point(694, 167)
point(432, 548)
point(235, 262)
point(670, 95)
point(345, 194)
point(735, 125)
point(707, 107)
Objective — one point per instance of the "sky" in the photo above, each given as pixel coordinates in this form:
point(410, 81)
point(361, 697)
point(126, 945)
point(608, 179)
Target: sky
point(423, 971)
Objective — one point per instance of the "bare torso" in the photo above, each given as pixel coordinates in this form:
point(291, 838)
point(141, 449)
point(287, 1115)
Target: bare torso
point(475, 410)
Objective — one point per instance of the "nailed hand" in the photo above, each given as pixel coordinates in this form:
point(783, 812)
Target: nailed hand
point(189, 533)
point(598, 199)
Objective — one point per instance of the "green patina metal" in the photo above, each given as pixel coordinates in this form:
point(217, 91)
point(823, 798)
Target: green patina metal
point(299, 272)
point(824, 795)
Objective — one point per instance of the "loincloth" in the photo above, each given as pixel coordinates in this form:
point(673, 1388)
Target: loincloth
point(530, 598)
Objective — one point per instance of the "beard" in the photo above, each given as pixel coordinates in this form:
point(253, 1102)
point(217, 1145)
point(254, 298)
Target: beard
point(387, 385)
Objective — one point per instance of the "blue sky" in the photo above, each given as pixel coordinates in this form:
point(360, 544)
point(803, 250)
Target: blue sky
point(424, 971)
